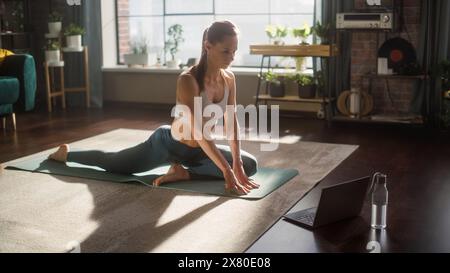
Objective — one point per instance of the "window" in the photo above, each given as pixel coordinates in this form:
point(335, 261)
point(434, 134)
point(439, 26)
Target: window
point(144, 19)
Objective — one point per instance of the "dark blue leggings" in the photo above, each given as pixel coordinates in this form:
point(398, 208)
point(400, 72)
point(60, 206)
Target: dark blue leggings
point(160, 149)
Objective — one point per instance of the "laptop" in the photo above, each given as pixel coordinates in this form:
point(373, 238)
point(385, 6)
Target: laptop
point(337, 202)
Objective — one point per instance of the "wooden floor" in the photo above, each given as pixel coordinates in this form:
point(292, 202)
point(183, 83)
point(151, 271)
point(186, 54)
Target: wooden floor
point(416, 161)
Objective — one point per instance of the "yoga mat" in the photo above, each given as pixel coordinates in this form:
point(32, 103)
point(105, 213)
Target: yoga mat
point(269, 178)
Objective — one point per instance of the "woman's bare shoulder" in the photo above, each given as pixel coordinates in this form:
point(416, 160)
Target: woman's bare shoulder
point(187, 74)
point(228, 74)
point(229, 77)
point(187, 83)
point(187, 77)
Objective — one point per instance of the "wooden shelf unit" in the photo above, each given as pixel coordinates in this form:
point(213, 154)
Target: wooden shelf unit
point(294, 50)
point(51, 93)
point(321, 51)
point(293, 99)
point(386, 77)
point(394, 76)
point(380, 119)
point(12, 37)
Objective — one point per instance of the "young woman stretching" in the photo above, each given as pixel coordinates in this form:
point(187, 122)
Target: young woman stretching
point(216, 85)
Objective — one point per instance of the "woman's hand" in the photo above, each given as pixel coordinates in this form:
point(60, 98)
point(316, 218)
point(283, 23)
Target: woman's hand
point(232, 184)
point(244, 180)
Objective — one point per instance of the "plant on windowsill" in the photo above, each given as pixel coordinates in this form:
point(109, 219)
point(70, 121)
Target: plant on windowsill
point(302, 33)
point(175, 32)
point(52, 52)
point(275, 83)
point(139, 55)
point(276, 33)
point(54, 23)
point(73, 35)
point(306, 85)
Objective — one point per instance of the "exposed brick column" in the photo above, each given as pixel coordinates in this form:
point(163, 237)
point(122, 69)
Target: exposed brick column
point(364, 60)
point(123, 7)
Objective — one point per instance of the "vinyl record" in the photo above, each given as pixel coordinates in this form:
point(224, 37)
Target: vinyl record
point(399, 52)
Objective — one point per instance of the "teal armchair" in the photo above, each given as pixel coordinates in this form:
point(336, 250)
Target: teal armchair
point(17, 85)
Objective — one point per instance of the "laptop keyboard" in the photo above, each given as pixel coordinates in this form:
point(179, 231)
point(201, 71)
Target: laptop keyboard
point(307, 218)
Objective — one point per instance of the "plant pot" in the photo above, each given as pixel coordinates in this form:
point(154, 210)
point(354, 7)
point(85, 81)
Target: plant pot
point(174, 63)
point(54, 27)
point(307, 91)
point(136, 59)
point(73, 41)
point(278, 42)
point(52, 56)
point(276, 90)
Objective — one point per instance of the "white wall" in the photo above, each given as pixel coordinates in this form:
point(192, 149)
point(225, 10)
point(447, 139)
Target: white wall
point(160, 87)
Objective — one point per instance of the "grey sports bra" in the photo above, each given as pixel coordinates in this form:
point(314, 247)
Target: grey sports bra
point(222, 104)
point(206, 102)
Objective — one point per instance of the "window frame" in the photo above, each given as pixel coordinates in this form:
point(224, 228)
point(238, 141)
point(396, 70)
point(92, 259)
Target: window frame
point(213, 13)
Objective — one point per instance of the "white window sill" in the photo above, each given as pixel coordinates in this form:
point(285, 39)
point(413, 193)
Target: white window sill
point(149, 69)
point(245, 71)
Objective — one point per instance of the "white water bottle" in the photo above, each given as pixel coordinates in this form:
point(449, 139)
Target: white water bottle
point(379, 201)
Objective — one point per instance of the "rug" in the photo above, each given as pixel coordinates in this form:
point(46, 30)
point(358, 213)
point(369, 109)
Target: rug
point(44, 213)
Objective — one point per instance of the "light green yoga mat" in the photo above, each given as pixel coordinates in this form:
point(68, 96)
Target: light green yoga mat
point(269, 179)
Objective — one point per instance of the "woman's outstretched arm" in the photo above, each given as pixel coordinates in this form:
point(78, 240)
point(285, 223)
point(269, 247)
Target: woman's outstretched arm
point(233, 136)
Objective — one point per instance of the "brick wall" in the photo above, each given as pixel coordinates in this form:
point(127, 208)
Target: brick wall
point(123, 7)
point(364, 60)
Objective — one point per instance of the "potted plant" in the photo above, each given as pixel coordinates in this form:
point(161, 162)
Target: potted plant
point(275, 84)
point(54, 23)
point(302, 33)
point(52, 52)
point(175, 33)
point(321, 31)
point(140, 55)
point(276, 33)
point(306, 86)
point(73, 36)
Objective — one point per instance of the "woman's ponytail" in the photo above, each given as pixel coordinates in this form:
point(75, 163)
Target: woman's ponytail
point(200, 69)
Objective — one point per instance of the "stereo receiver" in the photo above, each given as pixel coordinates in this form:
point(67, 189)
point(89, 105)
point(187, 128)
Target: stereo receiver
point(349, 20)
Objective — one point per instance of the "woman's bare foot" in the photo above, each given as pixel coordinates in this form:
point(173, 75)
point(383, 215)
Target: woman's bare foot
point(175, 173)
point(60, 154)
